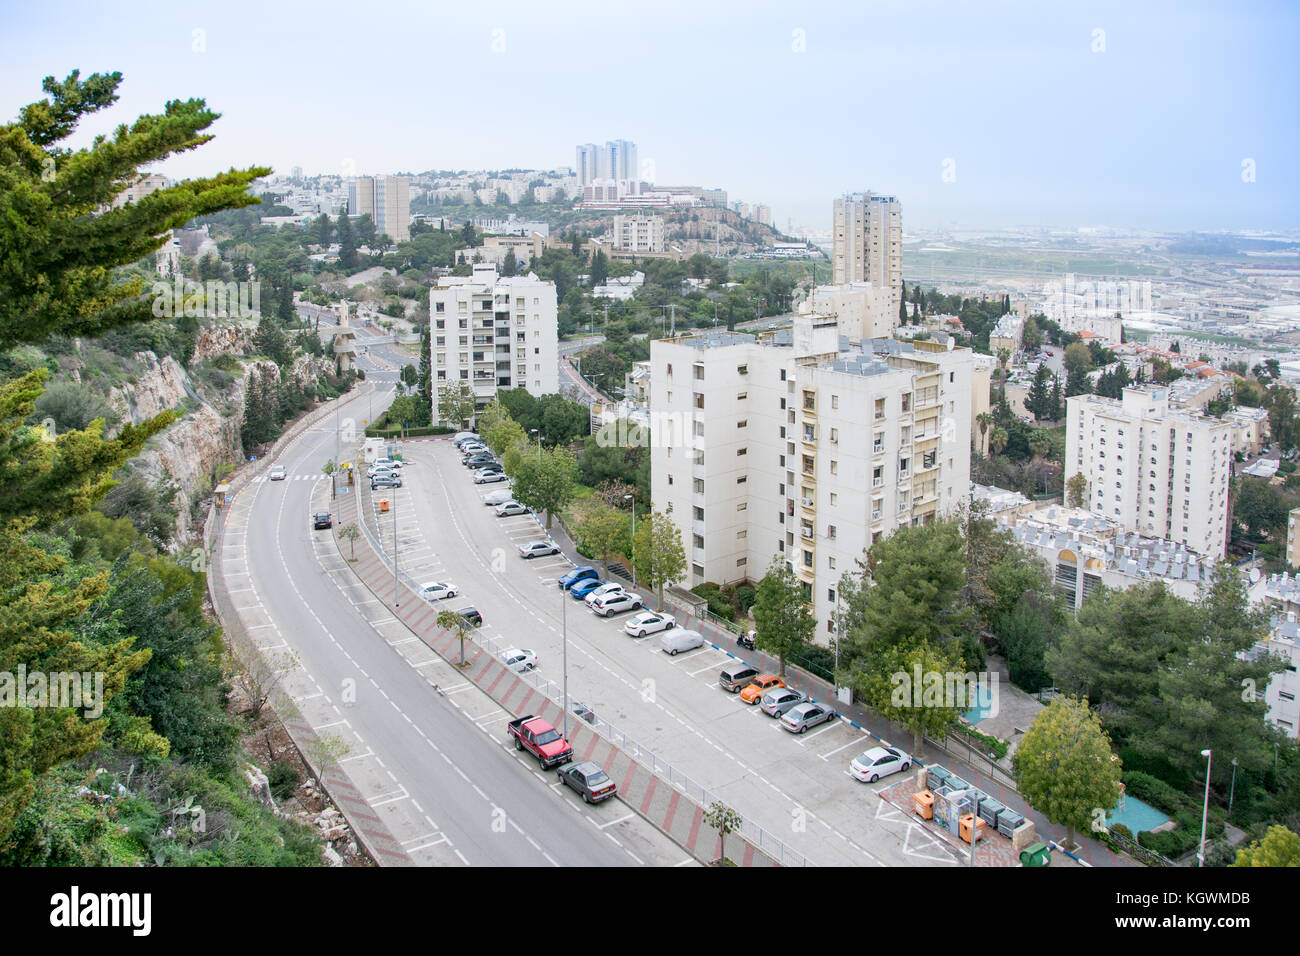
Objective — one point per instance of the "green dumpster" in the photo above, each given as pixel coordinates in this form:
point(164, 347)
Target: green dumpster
point(1036, 854)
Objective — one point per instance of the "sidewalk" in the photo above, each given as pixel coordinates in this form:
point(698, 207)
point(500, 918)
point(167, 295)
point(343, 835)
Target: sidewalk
point(659, 802)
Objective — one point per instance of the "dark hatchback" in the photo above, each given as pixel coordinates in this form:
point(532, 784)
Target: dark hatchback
point(589, 780)
point(321, 520)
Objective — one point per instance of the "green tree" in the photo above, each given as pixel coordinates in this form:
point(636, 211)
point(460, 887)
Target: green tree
point(725, 820)
point(61, 241)
point(1076, 490)
point(459, 625)
point(784, 623)
point(1064, 766)
point(985, 422)
point(890, 688)
point(348, 257)
point(603, 530)
point(546, 481)
point(1279, 848)
point(657, 553)
point(599, 269)
point(998, 440)
point(455, 404)
point(1078, 362)
point(509, 265)
point(350, 533)
point(365, 229)
point(1280, 403)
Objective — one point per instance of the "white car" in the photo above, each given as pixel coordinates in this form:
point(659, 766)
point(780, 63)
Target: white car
point(386, 463)
point(277, 473)
point(438, 590)
point(519, 659)
point(498, 497)
point(534, 549)
point(680, 639)
point(870, 765)
point(616, 602)
point(609, 587)
point(509, 508)
point(487, 477)
point(648, 622)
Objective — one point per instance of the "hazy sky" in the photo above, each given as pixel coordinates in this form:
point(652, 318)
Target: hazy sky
point(1055, 113)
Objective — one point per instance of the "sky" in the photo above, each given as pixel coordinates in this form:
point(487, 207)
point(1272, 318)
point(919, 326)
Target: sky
point(1167, 116)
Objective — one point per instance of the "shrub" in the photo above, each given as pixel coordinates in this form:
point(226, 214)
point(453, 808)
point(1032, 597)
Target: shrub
point(283, 777)
point(1154, 791)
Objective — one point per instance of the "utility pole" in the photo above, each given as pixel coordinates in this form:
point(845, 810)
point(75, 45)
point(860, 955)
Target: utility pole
point(396, 601)
point(564, 629)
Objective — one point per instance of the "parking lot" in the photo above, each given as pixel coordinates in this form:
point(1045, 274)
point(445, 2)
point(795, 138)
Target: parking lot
point(795, 786)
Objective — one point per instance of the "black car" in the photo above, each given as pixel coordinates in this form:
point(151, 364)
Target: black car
point(321, 520)
point(479, 460)
point(589, 780)
point(472, 615)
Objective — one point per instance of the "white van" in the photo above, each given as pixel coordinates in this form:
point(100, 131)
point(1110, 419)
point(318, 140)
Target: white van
point(680, 639)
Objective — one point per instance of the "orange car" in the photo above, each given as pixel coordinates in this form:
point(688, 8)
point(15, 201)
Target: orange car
point(760, 686)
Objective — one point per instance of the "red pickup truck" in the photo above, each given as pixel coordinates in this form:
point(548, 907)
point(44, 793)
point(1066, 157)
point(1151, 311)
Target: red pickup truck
point(541, 740)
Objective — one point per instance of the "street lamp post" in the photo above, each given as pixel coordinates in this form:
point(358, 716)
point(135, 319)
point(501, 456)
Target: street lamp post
point(632, 499)
point(1232, 792)
point(1205, 809)
point(564, 630)
point(396, 601)
point(539, 443)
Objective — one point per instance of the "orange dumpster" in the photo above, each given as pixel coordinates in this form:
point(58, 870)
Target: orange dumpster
point(383, 504)
point(923, 804)
point(964, 825)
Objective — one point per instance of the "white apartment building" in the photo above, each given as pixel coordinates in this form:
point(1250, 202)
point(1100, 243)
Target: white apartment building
point(803, 444)
point(386, 200)
point(1152, 469)
point(494, 332)
point(868, 243)
point(638, 233)
point(863, 308)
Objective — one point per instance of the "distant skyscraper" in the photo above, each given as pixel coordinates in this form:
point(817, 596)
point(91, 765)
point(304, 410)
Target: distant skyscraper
point(587, 166)
point(386, 200)
point(868, 238)
point(621, 156)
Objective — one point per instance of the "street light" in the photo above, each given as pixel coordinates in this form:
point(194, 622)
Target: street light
point(1233, 791)
point(564, 630)
point(539, 442)
point(633, 501)
point(1205, 809)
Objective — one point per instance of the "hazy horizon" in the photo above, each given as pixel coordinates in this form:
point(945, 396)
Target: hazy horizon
point(1037, 119)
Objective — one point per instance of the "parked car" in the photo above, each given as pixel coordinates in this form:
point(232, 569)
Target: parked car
point(389, 480)
point(777, 702)
point(736, 676)
point(463, 436)
point(491, 466)
point(760, 686)
point(474, 448)
point(486, 477)
point(616, 602)
point(277, 473)
point(541, 740)
point(585, 573)
point(478, 460)
point(802, 716)
point(438, 590)
point(870, 765)
point(498, 497)
point(585, 587)
point(592, 783)
point(472, 615)
point(649, 622)
point(508, 508)
point(534, 549)
point(680, 639)
point(388, 462)
point(519, 659)
point(384, 472)
point(606, 587)
point(321, 520)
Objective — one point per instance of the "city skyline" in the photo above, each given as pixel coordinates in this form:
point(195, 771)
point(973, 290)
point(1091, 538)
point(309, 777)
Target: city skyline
point(1171, 119)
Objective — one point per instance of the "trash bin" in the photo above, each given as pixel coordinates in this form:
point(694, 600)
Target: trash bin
point(923, 804)
point(1036, 854)
point(383, 504)
point(965, 825)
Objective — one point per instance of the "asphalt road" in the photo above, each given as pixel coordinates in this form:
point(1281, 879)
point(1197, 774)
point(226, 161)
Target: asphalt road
point(435, 765)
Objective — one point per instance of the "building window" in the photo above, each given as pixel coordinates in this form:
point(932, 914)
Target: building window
point(742, 506)
point(835, 401)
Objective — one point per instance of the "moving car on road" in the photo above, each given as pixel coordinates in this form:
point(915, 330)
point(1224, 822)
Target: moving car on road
point(534, 549)
point(802, 716)
point(321, 520)
point(616, 603)
point(592, 783)
point(541, 740)
point(648, 622)
point(519, 659)
point(438, 591)
point(585, 573)
point(508, 508)
point(870, 765)
point(277, 473)
point(760, 686)
point(777, 702)
point(680, 639)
